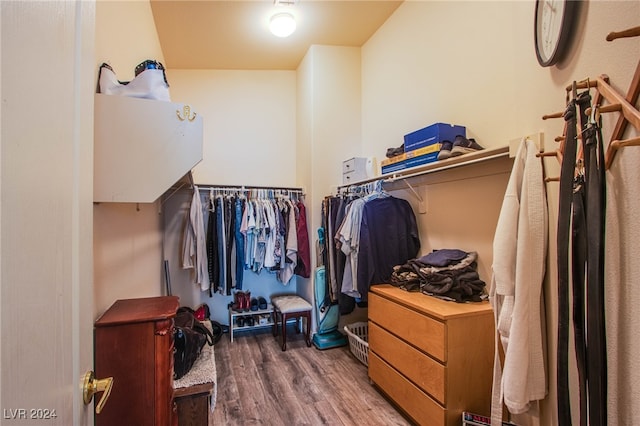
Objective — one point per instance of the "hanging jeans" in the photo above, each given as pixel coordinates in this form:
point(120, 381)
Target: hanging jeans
point(212, 248)
point(220, 217)
point(239, 243)
point(229, 232)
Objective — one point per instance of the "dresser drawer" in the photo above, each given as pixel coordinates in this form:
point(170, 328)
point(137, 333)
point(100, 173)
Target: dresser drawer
point(349, 177)
point(417, 404)
point(424, 332)
point(349, 165)
point(427, 373)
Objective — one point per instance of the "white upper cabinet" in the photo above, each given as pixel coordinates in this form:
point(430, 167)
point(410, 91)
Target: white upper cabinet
point(142, 147)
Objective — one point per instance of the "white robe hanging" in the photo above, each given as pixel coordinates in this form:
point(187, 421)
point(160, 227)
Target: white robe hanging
point(194, 250)
point(519, 260)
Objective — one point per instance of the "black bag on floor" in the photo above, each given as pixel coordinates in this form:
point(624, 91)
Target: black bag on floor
point(189, 337)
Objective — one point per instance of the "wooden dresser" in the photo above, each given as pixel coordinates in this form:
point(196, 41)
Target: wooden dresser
point(433, 358)
point(134, 345)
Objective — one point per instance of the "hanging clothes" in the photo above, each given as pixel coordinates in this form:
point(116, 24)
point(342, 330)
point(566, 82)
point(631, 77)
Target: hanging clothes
point(194, 254)
point(388, 237)
point(229, 202)
point(240, 222)
point(519, 253)
point(291, 248)
point(222, 246)
point(303, 267)
point(212, 247)
point(331, 270)
point(368, 233)
point(348, 235)
point(249, 232)
point(243, 232)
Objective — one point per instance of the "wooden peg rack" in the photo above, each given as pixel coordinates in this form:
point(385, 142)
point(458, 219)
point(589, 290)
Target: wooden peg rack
point(615, 102)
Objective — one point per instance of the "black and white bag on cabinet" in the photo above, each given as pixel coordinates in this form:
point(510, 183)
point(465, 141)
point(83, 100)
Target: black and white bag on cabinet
point(150, 82)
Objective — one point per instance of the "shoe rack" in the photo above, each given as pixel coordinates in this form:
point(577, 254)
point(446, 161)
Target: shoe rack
point(261, 318)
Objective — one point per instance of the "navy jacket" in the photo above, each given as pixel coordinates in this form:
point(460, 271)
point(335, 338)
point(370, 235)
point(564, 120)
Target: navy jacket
point(388, 237)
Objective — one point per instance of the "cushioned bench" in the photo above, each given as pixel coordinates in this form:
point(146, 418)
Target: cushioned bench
point(290, 306)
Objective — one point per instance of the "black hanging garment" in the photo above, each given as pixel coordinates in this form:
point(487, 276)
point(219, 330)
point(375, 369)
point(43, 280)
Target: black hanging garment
point(230, 237)
point(578, 270)
point(563, 234)
point(596, 340)
point(581, 212)
point(212, 248)
point(388, 237)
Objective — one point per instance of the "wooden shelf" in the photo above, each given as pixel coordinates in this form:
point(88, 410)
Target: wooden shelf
point(438, 166)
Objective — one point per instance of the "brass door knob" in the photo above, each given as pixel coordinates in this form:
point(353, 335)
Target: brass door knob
point(91, 386)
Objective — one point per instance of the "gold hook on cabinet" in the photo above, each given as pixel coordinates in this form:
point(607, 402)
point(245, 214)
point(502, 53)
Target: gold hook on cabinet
point(186, 114)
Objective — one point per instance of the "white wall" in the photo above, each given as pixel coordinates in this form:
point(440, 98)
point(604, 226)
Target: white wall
point(473, 63)
point(249, 128)
point(249, 139)
point(125, 36)
point(328, 126)
point(127, 237)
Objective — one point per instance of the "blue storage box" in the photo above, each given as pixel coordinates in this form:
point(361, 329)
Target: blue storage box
point(410, 162)
point(435, 133)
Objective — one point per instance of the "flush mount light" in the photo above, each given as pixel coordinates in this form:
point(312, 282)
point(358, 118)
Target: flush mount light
point(282, 24)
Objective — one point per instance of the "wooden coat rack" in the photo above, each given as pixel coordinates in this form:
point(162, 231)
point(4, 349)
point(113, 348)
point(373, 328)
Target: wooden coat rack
point(615, 103)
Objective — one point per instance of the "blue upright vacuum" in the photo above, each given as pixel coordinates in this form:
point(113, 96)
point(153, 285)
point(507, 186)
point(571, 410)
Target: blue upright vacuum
point(327, 335)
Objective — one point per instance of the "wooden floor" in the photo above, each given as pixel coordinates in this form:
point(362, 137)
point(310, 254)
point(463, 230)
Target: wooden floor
point(258, 384)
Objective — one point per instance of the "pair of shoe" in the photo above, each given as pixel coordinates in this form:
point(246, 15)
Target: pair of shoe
point(242, 301)
point(259, 303)
point(459, 146)
point(246, 321)
point(392, 152)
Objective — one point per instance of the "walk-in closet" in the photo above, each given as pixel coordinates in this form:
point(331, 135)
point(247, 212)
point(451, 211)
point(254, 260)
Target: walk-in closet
point(402, 212)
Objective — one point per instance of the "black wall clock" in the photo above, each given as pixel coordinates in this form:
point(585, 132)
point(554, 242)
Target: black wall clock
point(552, 29)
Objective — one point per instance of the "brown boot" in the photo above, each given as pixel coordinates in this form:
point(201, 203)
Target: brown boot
point(247, 301)
point(237, 302)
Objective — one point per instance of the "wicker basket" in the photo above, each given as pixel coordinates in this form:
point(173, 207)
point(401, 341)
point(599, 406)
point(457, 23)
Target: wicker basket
point(358, 333)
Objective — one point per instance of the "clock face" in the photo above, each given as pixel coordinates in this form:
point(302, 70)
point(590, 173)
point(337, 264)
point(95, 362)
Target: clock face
point(552, 29)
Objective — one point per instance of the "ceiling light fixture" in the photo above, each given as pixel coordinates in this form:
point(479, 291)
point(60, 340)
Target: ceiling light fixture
point(282, 24)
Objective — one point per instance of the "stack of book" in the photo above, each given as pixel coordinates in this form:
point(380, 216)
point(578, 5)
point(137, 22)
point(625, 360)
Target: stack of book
point(422, 146)
point(417, 157)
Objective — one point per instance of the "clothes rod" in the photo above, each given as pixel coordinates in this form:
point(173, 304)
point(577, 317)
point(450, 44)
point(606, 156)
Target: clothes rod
point(247, 188)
